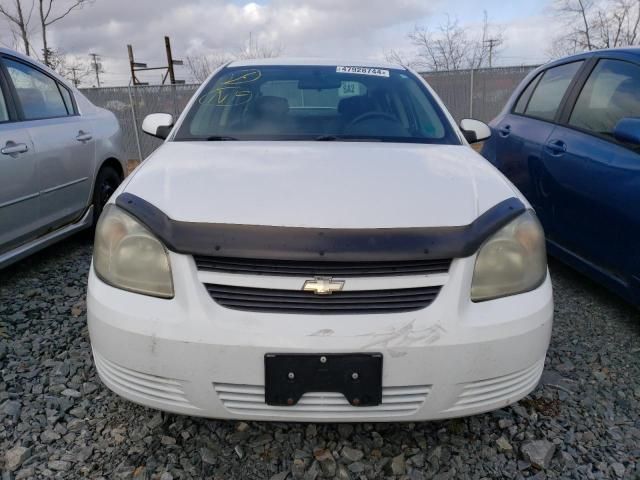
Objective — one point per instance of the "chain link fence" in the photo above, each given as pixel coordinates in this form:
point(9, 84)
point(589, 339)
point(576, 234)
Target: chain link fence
point(479, 94)
point(131, 104)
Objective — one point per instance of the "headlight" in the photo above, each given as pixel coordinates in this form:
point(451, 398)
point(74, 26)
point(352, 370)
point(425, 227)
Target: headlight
point(126, 255)
point(512, 261)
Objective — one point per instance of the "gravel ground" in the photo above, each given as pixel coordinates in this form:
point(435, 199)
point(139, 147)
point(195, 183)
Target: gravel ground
point(58, 421)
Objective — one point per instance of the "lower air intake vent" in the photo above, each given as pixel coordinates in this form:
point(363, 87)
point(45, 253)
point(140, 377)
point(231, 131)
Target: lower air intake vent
point(166, 391)
point(296, 301)
point(248, 400)
point(485, 393)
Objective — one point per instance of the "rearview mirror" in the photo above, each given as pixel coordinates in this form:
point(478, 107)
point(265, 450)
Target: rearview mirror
point(628, 131)
point(158, 124)
point(319, 83)
point(474, 130)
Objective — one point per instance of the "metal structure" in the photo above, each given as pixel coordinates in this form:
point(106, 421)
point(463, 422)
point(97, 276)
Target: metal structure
point(169, 69)
point(480, 94)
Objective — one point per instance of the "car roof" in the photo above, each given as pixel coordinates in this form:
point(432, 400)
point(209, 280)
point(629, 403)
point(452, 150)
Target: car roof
point(313, 61)
point(621, 51)
point(39, 64)
point(19, 55)
point(632, 50)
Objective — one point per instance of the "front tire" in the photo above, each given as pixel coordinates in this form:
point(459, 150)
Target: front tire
point(107, 181)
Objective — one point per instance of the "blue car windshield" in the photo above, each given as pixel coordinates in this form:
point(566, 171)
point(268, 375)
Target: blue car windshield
point(316, 103)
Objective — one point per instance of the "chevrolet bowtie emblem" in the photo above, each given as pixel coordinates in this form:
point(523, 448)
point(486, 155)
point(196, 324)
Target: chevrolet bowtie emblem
point(323, 285)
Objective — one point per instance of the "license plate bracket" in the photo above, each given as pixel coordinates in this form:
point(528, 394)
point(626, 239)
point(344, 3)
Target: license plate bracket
point(358, 376)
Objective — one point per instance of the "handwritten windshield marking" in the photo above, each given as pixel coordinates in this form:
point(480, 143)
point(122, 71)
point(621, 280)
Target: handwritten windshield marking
point(231, 94)
point(243, 76)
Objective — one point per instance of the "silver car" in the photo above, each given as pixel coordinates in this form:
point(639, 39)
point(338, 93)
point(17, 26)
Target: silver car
point(60, 157)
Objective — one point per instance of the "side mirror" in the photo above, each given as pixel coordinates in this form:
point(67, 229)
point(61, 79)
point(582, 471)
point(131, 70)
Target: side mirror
point(628, 131)
point(474, 130)
point(158, 124)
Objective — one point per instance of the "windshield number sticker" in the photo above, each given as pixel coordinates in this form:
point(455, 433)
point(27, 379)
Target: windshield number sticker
point(376, 72)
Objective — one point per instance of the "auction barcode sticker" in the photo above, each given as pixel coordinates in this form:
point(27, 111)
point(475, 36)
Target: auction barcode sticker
point(378, 72)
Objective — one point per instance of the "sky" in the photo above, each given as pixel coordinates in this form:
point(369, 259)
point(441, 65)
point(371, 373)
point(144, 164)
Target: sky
point(349, 29)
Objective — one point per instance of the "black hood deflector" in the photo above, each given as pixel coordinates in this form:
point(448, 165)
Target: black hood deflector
point(301, 243)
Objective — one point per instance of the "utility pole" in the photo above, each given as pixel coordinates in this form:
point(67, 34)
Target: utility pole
point(492, 43)
point(75, 80)
point(97, 67)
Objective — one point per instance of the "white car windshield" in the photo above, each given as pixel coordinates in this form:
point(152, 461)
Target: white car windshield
point(316, 103)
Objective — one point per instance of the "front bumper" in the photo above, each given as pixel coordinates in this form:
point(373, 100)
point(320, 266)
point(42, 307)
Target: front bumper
point(191, 356)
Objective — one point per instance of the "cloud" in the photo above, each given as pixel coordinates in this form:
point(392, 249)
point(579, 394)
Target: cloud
point(528, 41)
point(303, 28)
point(339, 28)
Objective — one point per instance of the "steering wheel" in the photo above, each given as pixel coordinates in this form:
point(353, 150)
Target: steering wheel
point(369, 115)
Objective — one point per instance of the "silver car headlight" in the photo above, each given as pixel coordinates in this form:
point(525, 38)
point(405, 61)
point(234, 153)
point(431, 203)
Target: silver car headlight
point(128, 256)
point(513, 260)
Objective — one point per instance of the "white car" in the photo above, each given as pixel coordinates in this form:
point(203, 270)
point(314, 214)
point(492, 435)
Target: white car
point(61, 158)
point(317, 241)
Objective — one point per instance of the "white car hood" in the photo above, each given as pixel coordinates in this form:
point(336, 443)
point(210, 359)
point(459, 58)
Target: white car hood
point(320, 184)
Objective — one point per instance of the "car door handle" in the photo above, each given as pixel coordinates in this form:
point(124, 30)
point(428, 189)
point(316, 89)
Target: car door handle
point(83, 136)
point(505, 131)
point(12, 148)
point(556, 147)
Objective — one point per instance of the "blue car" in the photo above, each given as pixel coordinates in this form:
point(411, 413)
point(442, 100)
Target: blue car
point(569, 139)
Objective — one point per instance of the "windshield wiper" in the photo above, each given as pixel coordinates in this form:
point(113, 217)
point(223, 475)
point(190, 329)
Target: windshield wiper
point(220, 138)
point(347, 138)
point(326, 138)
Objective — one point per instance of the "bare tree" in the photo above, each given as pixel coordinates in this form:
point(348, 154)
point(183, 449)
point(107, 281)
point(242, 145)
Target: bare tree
point(19, 18)
point(255, 49)
point(49, 15)
point(575, 13)
point(487, 46)
point(595, 24)
point(447, 49)
point(201, 66)
point(399, 58)
point(617, 25)
point(70, 67)
point(454, 47)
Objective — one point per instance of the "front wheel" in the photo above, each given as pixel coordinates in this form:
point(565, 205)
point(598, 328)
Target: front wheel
point(107, 181)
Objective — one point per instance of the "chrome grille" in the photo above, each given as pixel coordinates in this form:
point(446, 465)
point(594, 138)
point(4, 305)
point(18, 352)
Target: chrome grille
point(324, 268)
point(344, 302)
